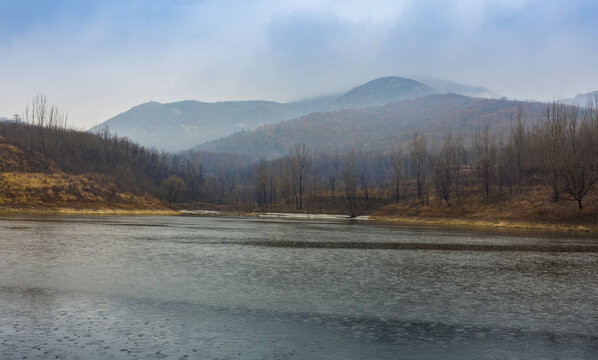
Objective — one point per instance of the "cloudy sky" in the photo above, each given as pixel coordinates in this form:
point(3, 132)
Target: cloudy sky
point(96, 59)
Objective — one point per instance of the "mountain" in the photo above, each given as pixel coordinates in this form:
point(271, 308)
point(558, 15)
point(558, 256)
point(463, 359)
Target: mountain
point(381, 91)
point(181, 125)
point(582, 99)
point(377, 128)
point(185, 124)
point(445, 86)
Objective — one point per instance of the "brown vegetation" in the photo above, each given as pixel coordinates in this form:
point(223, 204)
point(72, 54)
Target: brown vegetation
point(530, 208)
point(538, 176)
point(533, 176)
point(59, 190)
point(46, 167)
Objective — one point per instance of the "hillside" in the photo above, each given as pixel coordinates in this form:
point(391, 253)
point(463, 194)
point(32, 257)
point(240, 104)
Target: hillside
point(181, 125)
point(381, 91)
point(451, 87)
point(185, 124)
point(377, 128)
point(32, 181)
point(582, 99)
point(45, 168)
point(14, 159)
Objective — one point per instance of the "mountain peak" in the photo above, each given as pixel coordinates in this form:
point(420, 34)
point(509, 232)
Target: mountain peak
point(381, 91)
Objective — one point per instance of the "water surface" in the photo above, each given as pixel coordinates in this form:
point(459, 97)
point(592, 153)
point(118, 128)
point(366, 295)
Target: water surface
point(251, 288)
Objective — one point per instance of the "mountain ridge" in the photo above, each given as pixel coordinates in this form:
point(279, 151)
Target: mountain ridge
point(184, 124)
point(582, 99)
point(381, 91)
point(377, 128)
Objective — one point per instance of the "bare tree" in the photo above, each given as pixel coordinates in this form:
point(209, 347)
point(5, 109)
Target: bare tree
point(418, 154)
point(485, 150)
point(301, 162)
point(518, 148)
point(364, 179)
point(331, 181)
point(273, 174)
point(261, 182)
point(173, 189)
point(42, 114)
point(398, 166)
point(350, 182)
point(577, 167)
point(445, 168)
point(552, 130)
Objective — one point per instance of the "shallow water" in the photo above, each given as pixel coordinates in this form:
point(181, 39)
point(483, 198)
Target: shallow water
point(241, 288)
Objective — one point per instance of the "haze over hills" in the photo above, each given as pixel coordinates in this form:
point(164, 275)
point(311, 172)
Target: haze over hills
point(381, 91)
point(451, 87)
point(181, 125)
point(185, 124)
point(378, 128)
point(582, 99)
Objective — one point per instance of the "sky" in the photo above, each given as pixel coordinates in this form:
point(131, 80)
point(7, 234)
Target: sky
point(95, 59)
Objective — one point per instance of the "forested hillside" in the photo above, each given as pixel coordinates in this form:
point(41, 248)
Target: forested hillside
point(542, 173)
point(185, 124)
point(30, 180)
point(380, 128)
point(182, 125)
point(380, 92)
point(536, 163)
point(44, 163)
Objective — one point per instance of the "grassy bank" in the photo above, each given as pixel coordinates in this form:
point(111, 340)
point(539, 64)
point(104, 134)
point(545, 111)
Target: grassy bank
point(529, 209)
point(83, 211)
point(524, 225)
point(58, 193)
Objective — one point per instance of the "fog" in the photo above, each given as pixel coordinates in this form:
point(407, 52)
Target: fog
point(96, 60)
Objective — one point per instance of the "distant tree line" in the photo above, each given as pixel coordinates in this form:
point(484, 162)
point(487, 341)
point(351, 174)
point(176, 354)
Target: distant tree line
point(43, 129)
point(558, 151)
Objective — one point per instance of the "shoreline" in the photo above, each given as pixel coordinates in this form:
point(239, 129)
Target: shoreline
point(480, 224)
point(489, 225)
point(91, 212)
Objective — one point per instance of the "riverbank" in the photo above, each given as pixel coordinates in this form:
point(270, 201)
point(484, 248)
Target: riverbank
point(386, 217)
point(380, 216)
point(496, 224)
point(529, 211)
point(532, 209)
point(58, 193)
point(483, 216)
point(87, 211)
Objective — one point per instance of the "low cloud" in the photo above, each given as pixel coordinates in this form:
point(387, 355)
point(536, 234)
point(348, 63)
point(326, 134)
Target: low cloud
point(97, 60)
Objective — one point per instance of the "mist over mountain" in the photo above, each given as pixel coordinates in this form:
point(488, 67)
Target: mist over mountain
point(182, 125)
point(380, 92)
point(582, 99)
point(378, 128)
point(445, 86)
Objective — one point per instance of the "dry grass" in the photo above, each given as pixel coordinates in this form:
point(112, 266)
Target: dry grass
point(530, 208)
point(64, 193)
point(14, 159)
point(79, 211)
point(31, 183)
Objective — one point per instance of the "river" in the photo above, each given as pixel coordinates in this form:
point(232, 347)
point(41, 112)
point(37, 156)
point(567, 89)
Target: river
point(267, 288)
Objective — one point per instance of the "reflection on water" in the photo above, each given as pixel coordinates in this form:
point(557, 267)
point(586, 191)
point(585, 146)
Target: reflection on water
point(97, 287)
